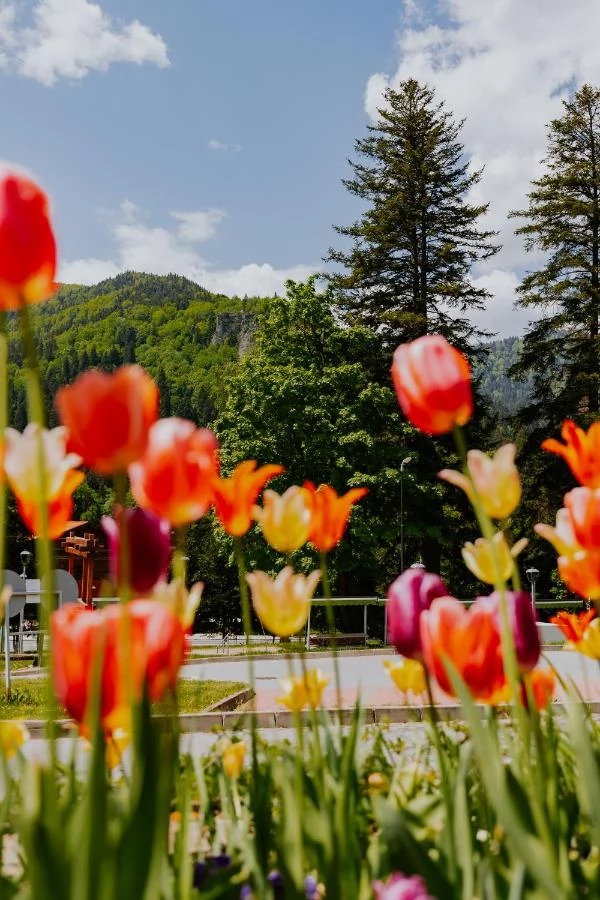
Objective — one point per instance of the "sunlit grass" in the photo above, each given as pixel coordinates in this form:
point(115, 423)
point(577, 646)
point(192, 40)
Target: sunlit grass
point(29, 701)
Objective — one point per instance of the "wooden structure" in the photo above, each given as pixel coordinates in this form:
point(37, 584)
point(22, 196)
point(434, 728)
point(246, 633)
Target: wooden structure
point(86, 548)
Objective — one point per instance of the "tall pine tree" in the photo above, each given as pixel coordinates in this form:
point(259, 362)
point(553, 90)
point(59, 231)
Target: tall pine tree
point(562, 348)
point(407, 272)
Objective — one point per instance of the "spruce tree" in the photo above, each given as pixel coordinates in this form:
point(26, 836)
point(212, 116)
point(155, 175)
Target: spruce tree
point(562, 348)
point(407, 271)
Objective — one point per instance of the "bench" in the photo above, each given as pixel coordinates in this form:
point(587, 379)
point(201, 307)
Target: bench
point(324, 640)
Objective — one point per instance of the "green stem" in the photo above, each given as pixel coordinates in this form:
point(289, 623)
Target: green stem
point(124, 585)
point(445, 787)
point(331, 625)
point(43, 546)
point(246, 609)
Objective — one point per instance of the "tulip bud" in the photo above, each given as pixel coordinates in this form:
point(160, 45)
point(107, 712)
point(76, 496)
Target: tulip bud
point(148, 547)
point(433, 384)
point(409, 595)
point(522, 622)
point(233, 759)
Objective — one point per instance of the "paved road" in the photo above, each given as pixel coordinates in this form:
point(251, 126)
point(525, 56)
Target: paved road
point(367, 677)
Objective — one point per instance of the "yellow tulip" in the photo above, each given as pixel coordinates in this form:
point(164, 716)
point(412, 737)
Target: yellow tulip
point(589, 644)
point(562, 537)
point(376, 782)
point(315, 683)
point(407, 674)
point(491, 560)
point(285, 518)
point(294, 693)
point(12, 737)
point(233, 759)
point(299, 691)
point(493, 481)
point(179, 600)
point(282, 604)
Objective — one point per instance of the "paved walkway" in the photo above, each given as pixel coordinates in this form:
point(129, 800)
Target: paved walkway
point(366, 677)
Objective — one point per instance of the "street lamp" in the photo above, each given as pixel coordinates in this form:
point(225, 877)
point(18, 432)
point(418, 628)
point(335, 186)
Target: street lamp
point(25, 557)
point(532, 576)
point(404, 462)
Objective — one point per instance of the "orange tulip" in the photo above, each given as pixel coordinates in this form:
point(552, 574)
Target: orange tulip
point(433, 384)
point(543, 685)
point(581, 573)
point(581, 451)
point(22, 469)
point(235, 496)
point(578, 566)
point(469, 640)
point(109, 416)
point(174, 477)
point(330, 514)
point(27, 243)
point(573, 625)
point(148, 649)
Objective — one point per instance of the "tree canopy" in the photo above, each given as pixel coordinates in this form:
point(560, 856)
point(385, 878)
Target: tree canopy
point(407, 271)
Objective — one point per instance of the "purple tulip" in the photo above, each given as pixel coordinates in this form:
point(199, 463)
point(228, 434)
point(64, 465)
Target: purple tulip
point(522, 621)
point(401, 887)
point(409, 595)
point(148, 545)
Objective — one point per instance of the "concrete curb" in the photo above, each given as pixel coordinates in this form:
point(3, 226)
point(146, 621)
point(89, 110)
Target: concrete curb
point(230, 720)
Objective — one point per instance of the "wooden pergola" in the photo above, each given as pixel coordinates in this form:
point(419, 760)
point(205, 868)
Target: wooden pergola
point(84, 548)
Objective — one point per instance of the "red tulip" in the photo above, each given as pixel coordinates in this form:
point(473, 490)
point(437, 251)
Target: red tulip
point(408, 596)
point(109, 416)
point(142, 642)
point(433, 384)
point(148, 548)
point(27, 243)
point(469, 640)
point(174, 478)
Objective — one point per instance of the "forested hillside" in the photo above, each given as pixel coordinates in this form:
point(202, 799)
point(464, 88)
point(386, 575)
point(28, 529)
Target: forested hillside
point(505, 394)
point(183, 335)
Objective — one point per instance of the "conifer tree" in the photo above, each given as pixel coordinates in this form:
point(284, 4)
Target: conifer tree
point(407, 271)
point(562, 347)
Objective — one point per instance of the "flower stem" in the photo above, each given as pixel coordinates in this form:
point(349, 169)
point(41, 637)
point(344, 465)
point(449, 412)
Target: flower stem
point(246, 610)
point(44, 550)
point(331, 625)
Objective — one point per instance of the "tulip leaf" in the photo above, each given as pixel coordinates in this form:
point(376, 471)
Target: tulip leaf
point(540, 861)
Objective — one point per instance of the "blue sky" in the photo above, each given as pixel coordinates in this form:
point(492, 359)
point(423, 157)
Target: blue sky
point(210, 137)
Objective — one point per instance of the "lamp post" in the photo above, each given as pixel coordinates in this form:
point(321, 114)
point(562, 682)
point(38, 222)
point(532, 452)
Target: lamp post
point(25, 557)
point(404, 462)
point(532, 576)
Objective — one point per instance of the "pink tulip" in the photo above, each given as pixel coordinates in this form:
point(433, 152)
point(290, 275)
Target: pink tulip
point(401, 887)
point(409, 595)
point(522, 621)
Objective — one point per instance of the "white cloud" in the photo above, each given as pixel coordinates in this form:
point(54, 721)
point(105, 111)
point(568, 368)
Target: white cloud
point(504, 67)
point(198, 226)
point(214, 144)
point(69, 38)
point(160, 251)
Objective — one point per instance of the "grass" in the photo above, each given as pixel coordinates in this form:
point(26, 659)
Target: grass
point(29, 699)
